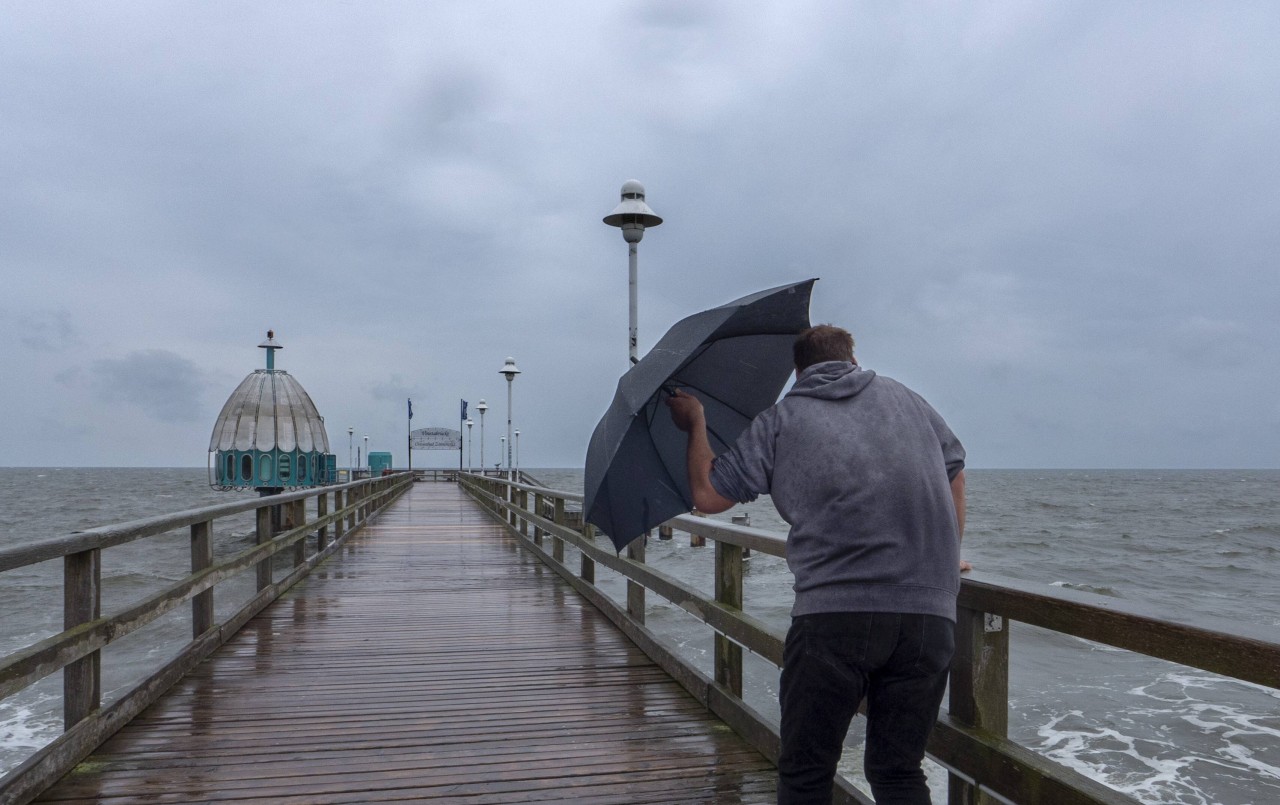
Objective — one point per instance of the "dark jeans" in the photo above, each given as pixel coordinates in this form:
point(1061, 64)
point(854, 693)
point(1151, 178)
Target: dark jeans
point(831, 660)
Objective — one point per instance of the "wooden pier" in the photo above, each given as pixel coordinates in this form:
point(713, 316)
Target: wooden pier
point(447, 639)
point(431, 658)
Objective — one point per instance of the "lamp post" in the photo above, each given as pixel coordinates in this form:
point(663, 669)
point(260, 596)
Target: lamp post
point(632, 216)
point(482, 407)
point(517, 452)
point(469, 424)
point(502, 446)
point(366, 453)
point(351, 467)
point(510, 371)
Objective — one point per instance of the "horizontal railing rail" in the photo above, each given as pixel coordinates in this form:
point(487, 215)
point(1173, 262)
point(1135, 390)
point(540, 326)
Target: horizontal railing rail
point(282, 523)
point(970, 740)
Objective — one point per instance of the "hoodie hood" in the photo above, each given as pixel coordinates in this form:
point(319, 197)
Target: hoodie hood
point(831, 380)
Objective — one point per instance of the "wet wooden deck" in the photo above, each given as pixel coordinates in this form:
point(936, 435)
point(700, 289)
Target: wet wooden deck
point(431, 660)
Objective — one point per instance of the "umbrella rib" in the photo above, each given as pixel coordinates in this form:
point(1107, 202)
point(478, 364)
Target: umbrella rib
point(648, 432)
point(726, 404)
point(710, 430)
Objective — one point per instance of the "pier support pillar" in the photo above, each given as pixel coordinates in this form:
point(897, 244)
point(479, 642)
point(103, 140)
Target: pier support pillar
point(697, 540)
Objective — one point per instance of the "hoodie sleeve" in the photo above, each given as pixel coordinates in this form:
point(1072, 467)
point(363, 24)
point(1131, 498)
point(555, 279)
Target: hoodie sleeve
point(745, 471)
point(952, 451)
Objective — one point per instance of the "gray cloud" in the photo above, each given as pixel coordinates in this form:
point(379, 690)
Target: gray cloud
point(42, 330)
point(1056, 221)
point(162, 384)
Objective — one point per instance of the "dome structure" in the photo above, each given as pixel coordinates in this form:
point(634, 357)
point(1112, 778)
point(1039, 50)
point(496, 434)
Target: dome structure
point(269, 435)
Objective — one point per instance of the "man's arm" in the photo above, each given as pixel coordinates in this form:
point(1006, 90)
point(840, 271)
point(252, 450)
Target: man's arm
point(957, 496)
point(687, 413)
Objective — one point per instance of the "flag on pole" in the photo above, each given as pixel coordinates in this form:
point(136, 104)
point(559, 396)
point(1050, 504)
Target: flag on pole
point(410, 408)
point(464, 411)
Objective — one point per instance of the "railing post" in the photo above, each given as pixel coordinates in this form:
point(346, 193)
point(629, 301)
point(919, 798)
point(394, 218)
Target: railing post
point(298, 516)
point(538, 503)
point(665, 532)
point(728, 665)
point(81, 603)
point(557, 544)
point(979, 694)
point(337, 507)
point(524, 504)
point(588, 565)
point(351, 504)
point(743, 519)
point(511, 500)
point(201, 558)
point(322, 533)
point(264, 535)
point(635, 592)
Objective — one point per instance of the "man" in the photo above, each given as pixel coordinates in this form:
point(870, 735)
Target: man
point(871, 481)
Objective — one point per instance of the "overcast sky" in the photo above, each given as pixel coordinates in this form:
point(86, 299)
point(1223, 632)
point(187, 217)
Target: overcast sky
point(1058, 222)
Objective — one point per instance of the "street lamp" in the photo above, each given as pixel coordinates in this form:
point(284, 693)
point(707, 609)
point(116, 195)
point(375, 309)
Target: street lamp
point(366, 454)
point(351, 467)
point(501, 448)
point(482, 408)
point(517, 452)
point(632, 216)
point(509, 369)
point(469, 424)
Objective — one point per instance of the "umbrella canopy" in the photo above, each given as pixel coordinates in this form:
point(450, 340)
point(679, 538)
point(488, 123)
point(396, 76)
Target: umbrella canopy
point(735, 358)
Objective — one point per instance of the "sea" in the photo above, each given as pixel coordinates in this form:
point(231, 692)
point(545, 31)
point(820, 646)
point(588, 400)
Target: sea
point(1204, 544)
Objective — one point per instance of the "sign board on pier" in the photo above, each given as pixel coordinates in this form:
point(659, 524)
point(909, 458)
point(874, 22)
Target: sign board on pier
point(435, 439)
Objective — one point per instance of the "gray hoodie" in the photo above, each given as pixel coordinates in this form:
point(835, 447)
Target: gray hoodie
point(859, 465)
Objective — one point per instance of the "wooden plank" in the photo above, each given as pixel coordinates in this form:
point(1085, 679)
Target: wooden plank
point(428, 658)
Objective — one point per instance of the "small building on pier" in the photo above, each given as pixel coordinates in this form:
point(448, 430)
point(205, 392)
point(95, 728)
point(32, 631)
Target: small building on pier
point(269, 436)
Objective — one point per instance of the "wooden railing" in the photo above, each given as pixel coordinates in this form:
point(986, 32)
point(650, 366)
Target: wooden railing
point(970, 739)
point(282, 524)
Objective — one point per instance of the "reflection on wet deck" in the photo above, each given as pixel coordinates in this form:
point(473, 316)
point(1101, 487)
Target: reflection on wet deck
point(432, 659)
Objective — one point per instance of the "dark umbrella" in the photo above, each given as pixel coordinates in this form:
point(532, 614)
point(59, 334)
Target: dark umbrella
point(735, 358)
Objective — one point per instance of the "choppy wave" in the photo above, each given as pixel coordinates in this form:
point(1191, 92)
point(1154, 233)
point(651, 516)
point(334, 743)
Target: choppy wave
point(1088, 588)
point(1182, 732)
